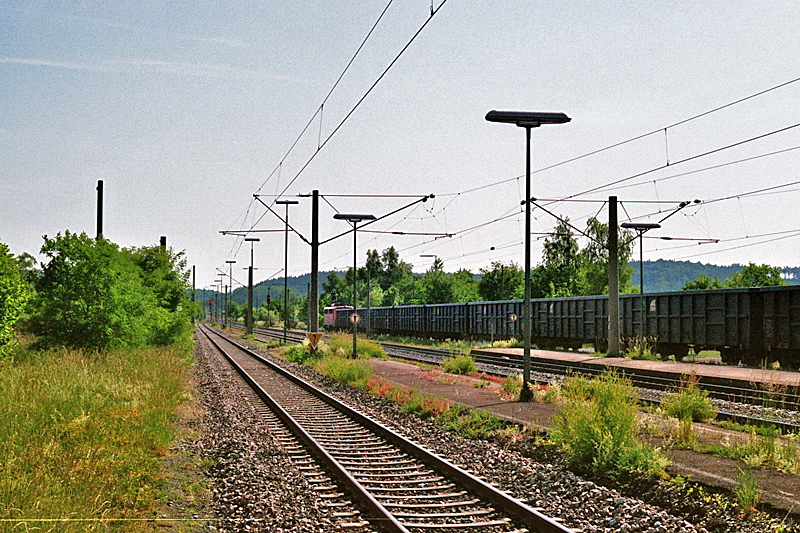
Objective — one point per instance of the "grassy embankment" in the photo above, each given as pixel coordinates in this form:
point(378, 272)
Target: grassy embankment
point(83, 435)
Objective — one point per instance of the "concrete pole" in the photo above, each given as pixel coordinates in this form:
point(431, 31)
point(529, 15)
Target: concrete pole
point(250, 298)
point(194, 292)
point(355, 288)
point(613, 279)
point(527, 310)
point(99, 209)
point(368, 317)
point(313, 305)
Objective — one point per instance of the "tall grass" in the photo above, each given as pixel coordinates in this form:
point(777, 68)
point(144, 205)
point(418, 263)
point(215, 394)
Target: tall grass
point(82, 434)
point(353, 372)
point(597, 428)
point(341, 345)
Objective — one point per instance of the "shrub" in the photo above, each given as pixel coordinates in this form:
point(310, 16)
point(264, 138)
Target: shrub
point(353, 372)
point(299, 353)
point(689, 402)
point(597, 428)
point(13, 296)
point(341, 345)
point(92, 294)
point(747, 492)
point(460, 364)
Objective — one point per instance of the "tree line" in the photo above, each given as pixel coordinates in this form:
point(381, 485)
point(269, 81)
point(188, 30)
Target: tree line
point(91, 293)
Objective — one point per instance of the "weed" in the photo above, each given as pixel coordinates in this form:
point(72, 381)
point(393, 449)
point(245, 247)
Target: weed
point(341, 345)
point(689, 401)
point(597, 428)
point(470, 423)
point(480, 384)
point(512, 386)
point(459, 364)
point(353, 372)
point(634, 348)
point(747, 492)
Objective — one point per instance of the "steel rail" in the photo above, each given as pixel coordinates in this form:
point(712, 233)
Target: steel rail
point(503, 502)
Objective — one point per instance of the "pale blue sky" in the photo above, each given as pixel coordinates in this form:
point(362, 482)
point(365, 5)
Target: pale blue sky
point(185, 109)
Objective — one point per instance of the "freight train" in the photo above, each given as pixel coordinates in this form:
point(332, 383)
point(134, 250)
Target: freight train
point(747, 325)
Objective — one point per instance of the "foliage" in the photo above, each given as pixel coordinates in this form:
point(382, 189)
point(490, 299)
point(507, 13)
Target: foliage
point(93, 294)
point(460, 364)
point(593, 268)
point(597, 428)
point(300, 353)
point(341, 345)
point(689, 402)
point(470, 423)
point(702, 282)
point(754, 275)
point(643, 349)
point(436, 286)
point(747, 492)
point(353, 372)
point(83, 434)
point(13, 297)
point(501, 282)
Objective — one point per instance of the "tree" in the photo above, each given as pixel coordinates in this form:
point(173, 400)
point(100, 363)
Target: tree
point(593, 268)
point(13, 296)
point(558, 273)
point(754, 275)
point(702, 282)
point(501, 282)
point(93, 294)
point(465, 286)
point(436, 286)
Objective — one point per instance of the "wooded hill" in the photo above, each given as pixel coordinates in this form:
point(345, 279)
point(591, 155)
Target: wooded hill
point(666, 276)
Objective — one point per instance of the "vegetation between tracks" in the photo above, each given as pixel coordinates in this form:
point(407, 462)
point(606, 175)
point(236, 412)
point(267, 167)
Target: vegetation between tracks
point(83, 434)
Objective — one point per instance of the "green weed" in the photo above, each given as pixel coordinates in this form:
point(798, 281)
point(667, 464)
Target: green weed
point(470, 423)
point(353, 372)
point(747, 492)
point(689, 401)
point(459, 364)
point(597, 428)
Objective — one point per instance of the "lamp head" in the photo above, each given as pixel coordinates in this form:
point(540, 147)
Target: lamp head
point(353, 217)
point(530, 119)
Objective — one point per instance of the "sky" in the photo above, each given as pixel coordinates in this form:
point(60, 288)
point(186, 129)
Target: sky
point(186, 110)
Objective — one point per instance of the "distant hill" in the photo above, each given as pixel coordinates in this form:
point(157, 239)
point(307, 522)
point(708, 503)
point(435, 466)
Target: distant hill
point(298, 285)
point(666, 276)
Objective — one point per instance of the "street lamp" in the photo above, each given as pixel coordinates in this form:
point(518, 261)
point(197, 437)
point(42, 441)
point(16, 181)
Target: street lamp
point(249, 325)
point(527, 120)
point(354, 220)
point(230, 284)
point(217, 298)
point(641, 228)
point(287, 203)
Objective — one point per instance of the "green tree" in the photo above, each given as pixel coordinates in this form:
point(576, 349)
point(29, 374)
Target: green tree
point(701, 283)
point(558, 273)
point(93, 294)
point(593, 268)
point(13, 296)
point(754, 275)
point(501, 282)
point(436, 286)
point(465, 286)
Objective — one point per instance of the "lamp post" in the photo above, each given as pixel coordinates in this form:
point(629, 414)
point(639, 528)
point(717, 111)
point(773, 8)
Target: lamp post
point(249, 325)
point(229, 288)
point(641, 228)
point(354, 220)
point(287, 203)
point(527, 120)
point(217, 298)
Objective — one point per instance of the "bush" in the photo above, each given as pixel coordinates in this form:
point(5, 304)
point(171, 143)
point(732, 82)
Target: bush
point(353, 372)
point(299, 353)
point(689, 402)
point(597, 428)
point(13, 296)
point(92, 294)
point(341, 345)
point(460, 364)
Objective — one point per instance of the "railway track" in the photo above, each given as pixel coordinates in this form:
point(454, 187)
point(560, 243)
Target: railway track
point(399, 486)
point(505, 365)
